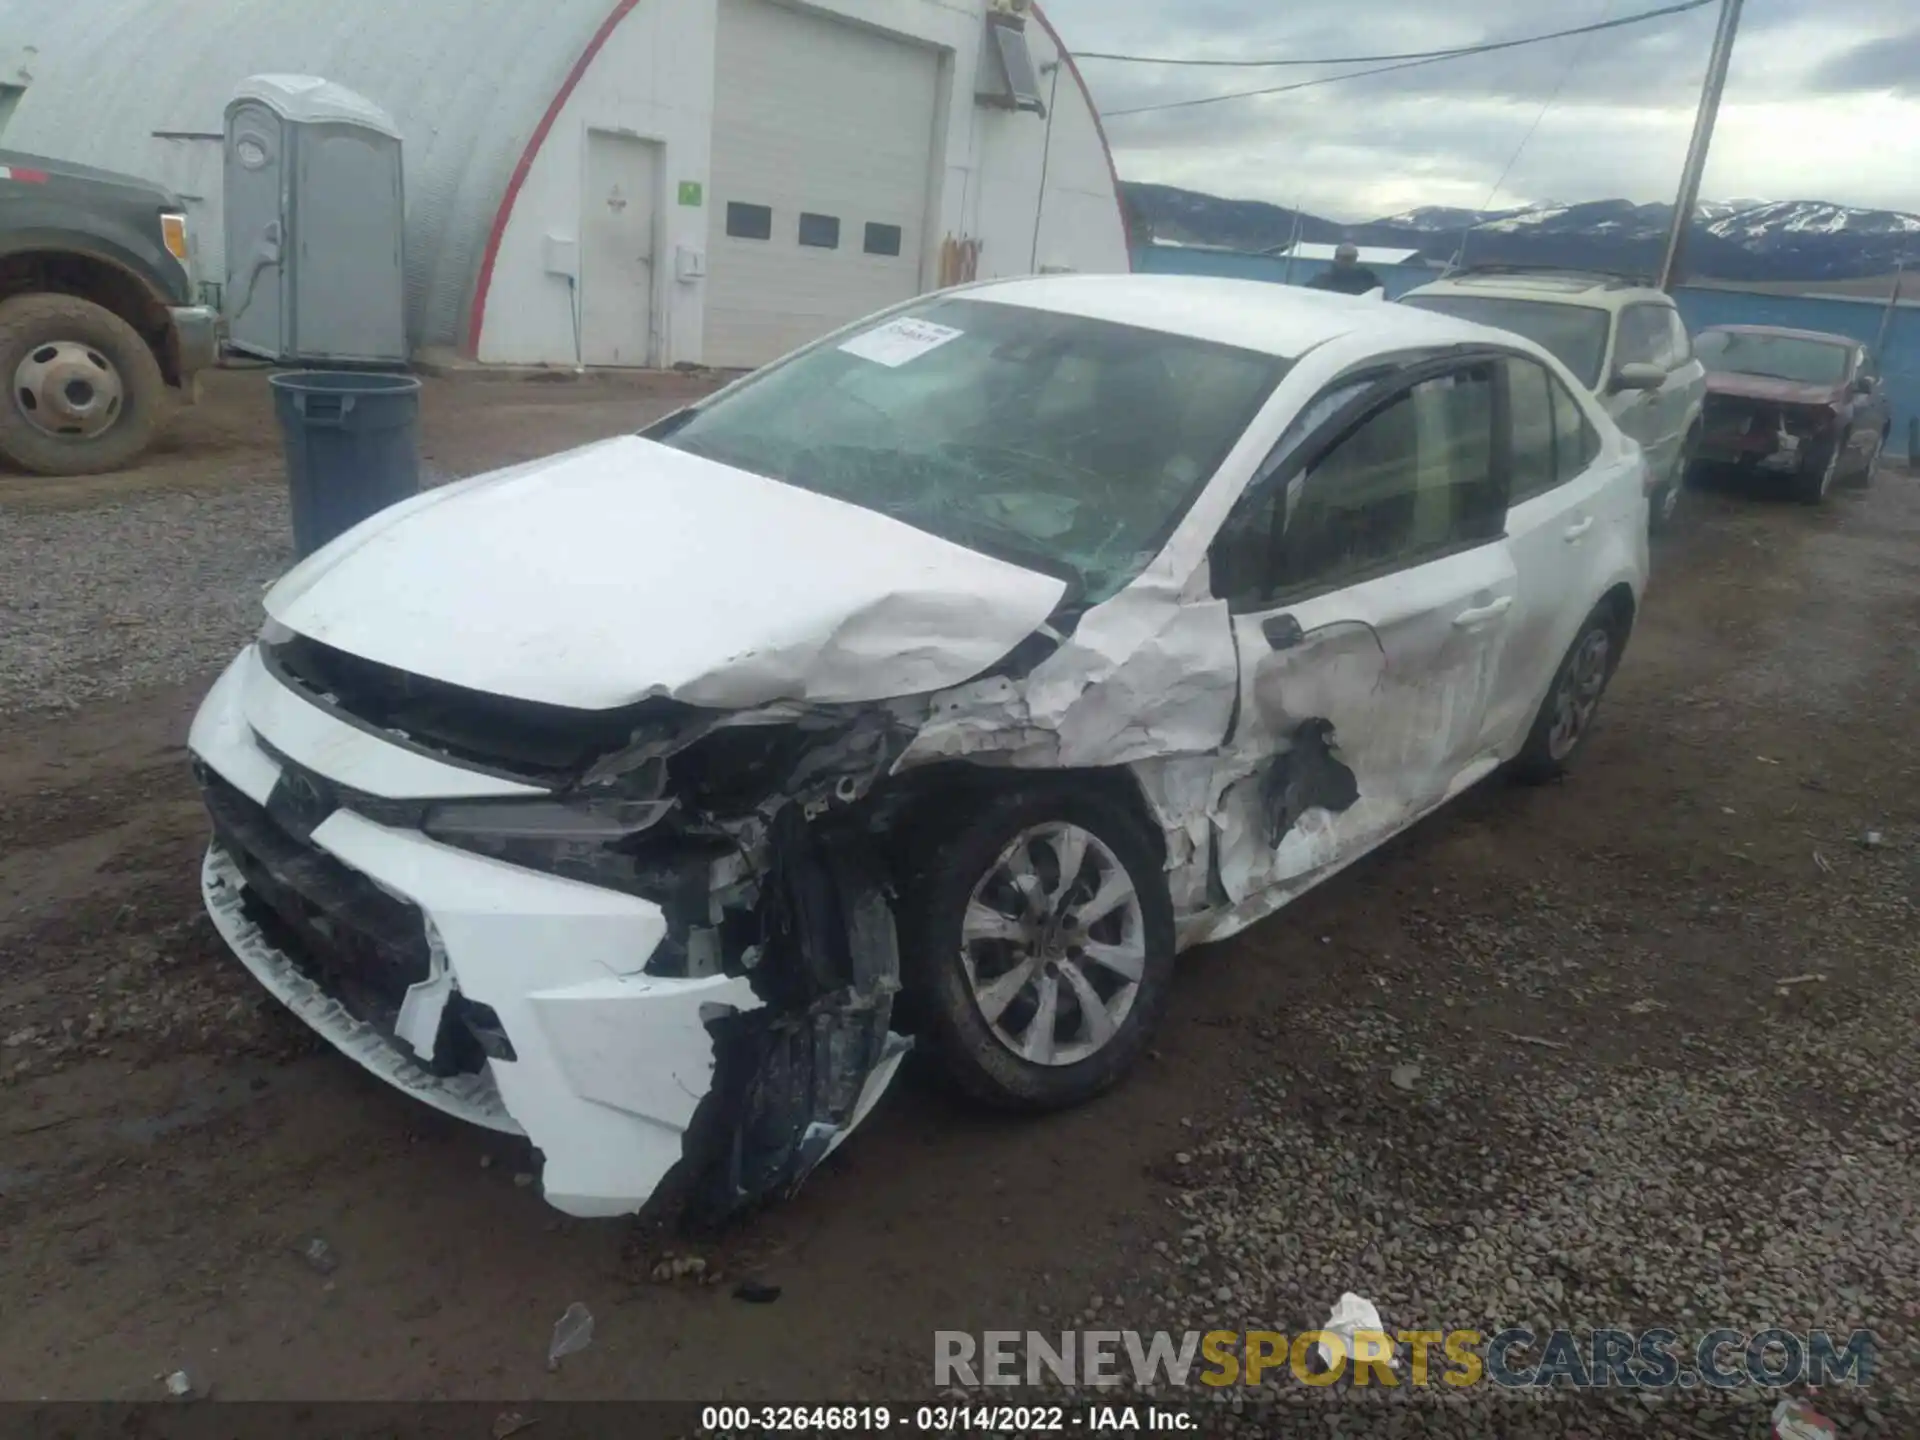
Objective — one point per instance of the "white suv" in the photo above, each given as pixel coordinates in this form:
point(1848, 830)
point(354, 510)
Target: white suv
point(1623, 339)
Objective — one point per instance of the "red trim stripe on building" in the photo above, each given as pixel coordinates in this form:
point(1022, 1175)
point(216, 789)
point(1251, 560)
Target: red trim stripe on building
point(476, 317)
point(1126, 232)
point(483, 283)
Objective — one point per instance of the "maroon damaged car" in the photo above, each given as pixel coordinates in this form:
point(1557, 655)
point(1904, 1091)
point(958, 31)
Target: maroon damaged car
point(1795, 403)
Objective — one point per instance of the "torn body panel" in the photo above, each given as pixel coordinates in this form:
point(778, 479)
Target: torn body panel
point(574, 1017)
point(1358, 708)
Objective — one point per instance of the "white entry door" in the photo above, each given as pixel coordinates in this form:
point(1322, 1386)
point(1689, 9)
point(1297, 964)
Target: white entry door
point(619, 209)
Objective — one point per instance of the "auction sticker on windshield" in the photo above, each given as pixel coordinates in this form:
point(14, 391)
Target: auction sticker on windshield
point(898, 341)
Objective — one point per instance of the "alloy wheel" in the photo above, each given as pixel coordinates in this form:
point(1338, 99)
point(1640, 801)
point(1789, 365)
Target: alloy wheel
point(1053, 945)
point(1578, 694)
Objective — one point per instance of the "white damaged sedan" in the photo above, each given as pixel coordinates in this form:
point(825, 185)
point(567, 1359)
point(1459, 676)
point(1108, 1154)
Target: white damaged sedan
point(934, 685)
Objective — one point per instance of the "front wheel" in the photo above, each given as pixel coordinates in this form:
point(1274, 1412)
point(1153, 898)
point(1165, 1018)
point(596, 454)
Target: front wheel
point(1040, 948)
point(1665, 503)
point(1566, 716)
point(83, 392)
point(1815, 481)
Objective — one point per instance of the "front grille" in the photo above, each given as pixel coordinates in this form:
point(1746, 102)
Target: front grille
point(364, 947)
point(1738, 416)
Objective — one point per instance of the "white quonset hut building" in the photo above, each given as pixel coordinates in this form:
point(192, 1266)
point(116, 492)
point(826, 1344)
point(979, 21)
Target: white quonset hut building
point(624, 182)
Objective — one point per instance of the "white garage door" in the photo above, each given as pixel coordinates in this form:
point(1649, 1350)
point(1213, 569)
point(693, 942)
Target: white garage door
point(822, 146)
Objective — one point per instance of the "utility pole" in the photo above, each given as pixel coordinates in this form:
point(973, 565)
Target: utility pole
point(1716, 84)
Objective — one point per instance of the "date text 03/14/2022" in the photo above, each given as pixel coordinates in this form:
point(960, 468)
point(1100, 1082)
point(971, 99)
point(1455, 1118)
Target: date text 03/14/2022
point(942, 1419)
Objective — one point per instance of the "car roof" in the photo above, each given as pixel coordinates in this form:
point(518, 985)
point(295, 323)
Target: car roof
point(1585, 287)
point(1785, 332)
point(1258, 315)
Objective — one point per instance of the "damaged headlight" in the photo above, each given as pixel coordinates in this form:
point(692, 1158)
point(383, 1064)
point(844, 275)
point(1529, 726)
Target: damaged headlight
point(588, 839)
point(597, 821)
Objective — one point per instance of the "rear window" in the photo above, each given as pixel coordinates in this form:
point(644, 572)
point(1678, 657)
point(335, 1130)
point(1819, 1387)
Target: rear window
point(1776, 357)
point(1575, 335)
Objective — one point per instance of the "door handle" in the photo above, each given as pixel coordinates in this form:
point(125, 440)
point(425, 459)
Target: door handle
point(1576, 531)
point(1480, 614)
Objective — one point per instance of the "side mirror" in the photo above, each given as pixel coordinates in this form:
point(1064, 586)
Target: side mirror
point(1863, 384)
point(1639, 375)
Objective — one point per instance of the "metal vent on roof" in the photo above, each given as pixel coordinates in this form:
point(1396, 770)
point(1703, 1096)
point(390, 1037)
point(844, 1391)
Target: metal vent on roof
point(1008, 79)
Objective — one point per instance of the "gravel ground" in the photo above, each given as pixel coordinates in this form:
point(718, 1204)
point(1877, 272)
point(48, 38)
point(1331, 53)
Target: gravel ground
point(162, 583)
point(155, 591)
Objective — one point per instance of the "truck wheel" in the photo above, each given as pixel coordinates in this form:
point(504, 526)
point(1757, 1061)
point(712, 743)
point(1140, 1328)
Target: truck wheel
point(83, 392)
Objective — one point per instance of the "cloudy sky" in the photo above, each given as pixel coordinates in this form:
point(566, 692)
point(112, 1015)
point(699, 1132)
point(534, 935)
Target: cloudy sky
point(1823, 102)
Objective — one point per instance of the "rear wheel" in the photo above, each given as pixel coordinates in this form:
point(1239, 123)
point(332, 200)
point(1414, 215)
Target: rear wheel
point(1872, 460)
point(1566, 716)
point(83, 392)
point(1039, 948)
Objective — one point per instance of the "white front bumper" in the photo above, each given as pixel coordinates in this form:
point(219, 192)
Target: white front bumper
point(611, 1063)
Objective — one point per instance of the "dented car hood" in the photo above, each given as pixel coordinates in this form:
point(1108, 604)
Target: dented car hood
point(627, 569)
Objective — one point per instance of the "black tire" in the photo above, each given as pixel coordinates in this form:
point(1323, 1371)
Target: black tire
point(1872, 460)
point(1664, 504)
point(32, 323)
point(1542, 758)
point(1817, 475)
point(951, 1027)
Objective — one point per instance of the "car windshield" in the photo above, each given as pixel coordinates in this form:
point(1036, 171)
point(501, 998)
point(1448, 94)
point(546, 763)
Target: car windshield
point(1068, 445)
point(1575, 335)
point(1777, 357)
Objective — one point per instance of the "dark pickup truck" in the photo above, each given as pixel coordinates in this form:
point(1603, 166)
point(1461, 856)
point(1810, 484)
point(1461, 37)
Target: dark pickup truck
point(99, 317)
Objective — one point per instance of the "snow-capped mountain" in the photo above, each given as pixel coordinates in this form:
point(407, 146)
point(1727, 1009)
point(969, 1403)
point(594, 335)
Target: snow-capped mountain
point(1761, 220)
point(1730, 240)
point(1712, 210)
point(1444, 219)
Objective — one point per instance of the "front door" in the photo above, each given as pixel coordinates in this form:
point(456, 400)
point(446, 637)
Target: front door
point(1372, 593)
point(617, 243)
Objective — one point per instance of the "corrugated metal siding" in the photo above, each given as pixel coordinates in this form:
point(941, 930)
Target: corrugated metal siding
point(467, 81)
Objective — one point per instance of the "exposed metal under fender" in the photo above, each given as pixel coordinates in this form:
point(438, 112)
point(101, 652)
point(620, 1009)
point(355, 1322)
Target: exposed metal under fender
point(793, 1078)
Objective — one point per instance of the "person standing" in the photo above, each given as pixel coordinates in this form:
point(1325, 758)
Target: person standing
point(1347, 276)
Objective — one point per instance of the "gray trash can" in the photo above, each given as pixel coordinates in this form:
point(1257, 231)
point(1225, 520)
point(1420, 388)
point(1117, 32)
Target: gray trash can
point(352, 444)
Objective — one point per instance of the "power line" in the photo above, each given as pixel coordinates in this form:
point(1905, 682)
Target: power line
point(1405, 64)
point(1446, 54)
point(1573, 63)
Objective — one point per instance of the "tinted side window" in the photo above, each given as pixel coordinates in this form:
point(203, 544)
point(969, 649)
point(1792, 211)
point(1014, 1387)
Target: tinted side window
point(1576, 443)
point(1530, 402)
point(1643, 336)
point(1245, 555)
point(1678, 338)
point(1414, 479)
